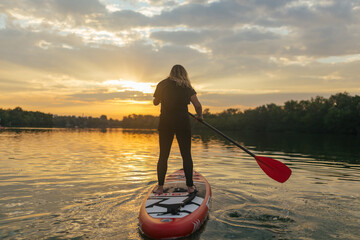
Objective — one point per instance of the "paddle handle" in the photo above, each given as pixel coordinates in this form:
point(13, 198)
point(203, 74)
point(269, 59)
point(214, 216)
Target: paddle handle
point(220, 133)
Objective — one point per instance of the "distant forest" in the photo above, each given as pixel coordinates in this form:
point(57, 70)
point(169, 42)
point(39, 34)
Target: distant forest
point(340, 113)
point(17, 117)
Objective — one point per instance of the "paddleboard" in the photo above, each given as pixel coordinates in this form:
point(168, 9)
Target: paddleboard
point(175, 213)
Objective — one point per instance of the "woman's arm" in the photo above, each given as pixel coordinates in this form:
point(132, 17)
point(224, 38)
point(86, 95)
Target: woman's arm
point(198, 108)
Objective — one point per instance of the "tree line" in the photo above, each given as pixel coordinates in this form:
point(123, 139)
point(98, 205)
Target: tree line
point(17, 117)
point(340, 113)
point(140, 121)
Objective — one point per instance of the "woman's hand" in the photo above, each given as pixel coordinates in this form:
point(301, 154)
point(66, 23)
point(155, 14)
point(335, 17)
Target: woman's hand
point(199, 117)
point(156, 101)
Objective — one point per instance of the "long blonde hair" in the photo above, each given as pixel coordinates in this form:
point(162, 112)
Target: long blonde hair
point(180, 76)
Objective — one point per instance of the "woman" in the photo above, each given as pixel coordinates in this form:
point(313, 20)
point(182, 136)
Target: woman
point(175, 93)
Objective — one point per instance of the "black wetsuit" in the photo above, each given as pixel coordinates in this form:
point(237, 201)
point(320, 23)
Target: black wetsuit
point(174, 120)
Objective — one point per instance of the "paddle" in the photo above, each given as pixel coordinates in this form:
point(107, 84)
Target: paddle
point(273, 168)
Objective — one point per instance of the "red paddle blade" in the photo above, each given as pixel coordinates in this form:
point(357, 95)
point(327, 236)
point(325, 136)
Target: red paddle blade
point(274, 169)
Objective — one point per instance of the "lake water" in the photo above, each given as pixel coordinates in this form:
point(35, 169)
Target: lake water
point(89, 184)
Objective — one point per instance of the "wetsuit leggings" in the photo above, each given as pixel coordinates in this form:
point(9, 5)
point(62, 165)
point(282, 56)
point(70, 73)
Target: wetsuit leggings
point(183, 137)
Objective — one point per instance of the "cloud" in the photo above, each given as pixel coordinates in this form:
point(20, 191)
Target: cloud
point(68, 48)
point(105, 96)
point(179, 37)
point(125, 19)
point(7, 85)
point(82, 7)
point(215, 15)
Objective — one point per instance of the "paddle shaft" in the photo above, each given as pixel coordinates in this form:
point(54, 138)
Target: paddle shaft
point(220, 133)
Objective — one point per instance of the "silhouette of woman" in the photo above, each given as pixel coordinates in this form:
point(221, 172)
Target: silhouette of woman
point(175, 93)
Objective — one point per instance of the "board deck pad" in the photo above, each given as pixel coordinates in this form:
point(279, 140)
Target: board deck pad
point(174, 193)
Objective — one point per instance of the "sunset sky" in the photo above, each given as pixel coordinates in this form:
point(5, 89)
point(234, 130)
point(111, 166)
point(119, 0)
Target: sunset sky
point(94, 57)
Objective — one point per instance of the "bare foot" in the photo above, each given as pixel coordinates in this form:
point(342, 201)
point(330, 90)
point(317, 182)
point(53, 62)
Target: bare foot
point(159, 190)
point(191, 189)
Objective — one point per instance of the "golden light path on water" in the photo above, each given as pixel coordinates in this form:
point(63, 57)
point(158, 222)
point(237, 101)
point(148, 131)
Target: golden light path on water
point(89, 183)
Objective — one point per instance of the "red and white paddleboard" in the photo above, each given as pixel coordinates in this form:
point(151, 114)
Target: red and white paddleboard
point(175, 213)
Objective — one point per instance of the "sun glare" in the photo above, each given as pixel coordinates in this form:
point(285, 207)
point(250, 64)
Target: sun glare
point(123, 85)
